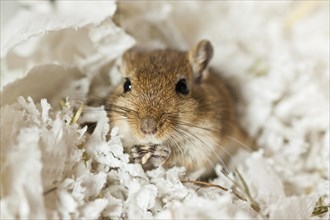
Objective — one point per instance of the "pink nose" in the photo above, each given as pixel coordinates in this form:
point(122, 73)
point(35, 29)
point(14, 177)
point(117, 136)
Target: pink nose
point(148, 126)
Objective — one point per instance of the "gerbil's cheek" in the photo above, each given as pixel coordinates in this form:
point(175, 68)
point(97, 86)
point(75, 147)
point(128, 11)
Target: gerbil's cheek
point(124, 129)
point(128, 137)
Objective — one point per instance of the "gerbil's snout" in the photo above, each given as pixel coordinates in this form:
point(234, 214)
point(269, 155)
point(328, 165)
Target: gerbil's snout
point(148, 126)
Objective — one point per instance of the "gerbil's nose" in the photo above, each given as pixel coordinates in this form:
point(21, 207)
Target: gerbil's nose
point(148, 126)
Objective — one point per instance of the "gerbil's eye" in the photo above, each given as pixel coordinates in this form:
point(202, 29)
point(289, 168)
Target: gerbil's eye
point(181, 87)
point(127, 85)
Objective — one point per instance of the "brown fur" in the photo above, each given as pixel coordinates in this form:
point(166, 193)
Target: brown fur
point(199, 128)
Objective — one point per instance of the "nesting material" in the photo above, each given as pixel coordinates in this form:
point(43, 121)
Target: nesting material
point(275, 54)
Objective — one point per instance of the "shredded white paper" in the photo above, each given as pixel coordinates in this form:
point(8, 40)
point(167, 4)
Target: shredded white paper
point(53, 58)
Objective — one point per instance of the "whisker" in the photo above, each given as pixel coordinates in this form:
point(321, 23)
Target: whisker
point(224, 149)
point(225, 136)
point(188, 134)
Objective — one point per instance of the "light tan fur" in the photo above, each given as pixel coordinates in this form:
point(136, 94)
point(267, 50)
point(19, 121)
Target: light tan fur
point(199, 128)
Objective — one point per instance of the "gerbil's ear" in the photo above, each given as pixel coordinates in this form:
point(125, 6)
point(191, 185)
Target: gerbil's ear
point(200, 56)
point(124, 63)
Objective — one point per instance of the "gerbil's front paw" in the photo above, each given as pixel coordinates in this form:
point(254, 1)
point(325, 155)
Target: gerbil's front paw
point(150, 156)
point(159, 155)
point(140, 153)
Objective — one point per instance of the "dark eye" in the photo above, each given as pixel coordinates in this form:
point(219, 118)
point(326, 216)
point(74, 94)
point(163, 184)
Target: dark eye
point(181, 87)
point(127, 85)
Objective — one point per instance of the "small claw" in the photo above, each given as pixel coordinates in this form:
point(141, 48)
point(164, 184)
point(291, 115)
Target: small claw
point(134, 155)
point(137, 160)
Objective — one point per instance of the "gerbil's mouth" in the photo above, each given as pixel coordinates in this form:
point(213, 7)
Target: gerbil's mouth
point(149, 139)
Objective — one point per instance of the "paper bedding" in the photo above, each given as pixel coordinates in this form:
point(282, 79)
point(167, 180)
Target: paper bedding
point(55, 55)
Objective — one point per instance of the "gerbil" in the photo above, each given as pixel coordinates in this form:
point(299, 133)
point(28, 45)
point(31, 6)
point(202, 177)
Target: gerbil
point(171, 109)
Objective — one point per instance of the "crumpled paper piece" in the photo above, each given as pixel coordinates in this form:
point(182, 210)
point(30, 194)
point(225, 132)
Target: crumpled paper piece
point(39, 153)
point(31, 23)
point(81, 43)
point(55, 169)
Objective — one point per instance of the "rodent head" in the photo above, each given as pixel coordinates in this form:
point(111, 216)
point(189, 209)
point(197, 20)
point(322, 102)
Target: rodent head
point(159, 91)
